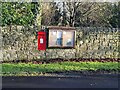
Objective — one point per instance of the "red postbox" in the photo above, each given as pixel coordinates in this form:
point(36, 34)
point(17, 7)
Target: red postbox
point(41, 40)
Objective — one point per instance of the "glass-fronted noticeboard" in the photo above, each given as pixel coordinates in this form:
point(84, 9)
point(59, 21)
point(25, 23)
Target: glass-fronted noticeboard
point(61, 37)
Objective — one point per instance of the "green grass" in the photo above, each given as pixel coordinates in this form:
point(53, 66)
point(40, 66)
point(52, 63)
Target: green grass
point(21, 68)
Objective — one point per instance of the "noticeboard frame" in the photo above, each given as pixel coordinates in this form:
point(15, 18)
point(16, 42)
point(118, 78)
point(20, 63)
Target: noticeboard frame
point(61, 29)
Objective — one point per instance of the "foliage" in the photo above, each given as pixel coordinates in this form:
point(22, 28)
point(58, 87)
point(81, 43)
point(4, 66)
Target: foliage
point(62, 13)
point(14, 13)
point(10, 68)
point(115, 20)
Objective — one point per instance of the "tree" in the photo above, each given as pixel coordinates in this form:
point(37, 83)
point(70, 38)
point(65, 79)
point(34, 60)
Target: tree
point(77, 12)
point(57, 14)
point(14, 13)
point(90, 14)
point(115, 18)
point(50, 13)
point(108, 15)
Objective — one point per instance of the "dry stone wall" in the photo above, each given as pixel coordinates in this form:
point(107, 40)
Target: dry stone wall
point(20, 43)
point(98, 42)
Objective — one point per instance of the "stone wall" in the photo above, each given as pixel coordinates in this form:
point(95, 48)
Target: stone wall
point(20, 43)
point(98, 42)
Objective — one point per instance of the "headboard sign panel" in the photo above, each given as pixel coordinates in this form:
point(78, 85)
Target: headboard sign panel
point(61, 37)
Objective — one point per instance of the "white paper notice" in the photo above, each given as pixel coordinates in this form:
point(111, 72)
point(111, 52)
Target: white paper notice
point(54, 32)
point(64, 32)
point(69, 40)
point(59, 34)
point(41, 40)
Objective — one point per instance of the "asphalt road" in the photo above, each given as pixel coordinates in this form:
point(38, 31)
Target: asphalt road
point(101, 81)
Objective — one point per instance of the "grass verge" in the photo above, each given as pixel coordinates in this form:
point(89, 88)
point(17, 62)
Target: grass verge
point(35, 69)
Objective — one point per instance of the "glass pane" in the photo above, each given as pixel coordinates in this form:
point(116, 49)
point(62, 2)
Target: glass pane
point(59, 38)
point(55, 38)
point(52, 37)
point(68, 38)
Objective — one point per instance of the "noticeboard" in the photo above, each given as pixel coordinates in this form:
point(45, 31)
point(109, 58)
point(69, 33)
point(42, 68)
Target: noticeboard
point(61, 37)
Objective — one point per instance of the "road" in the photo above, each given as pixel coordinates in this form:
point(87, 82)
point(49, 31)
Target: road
point(100, 81)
